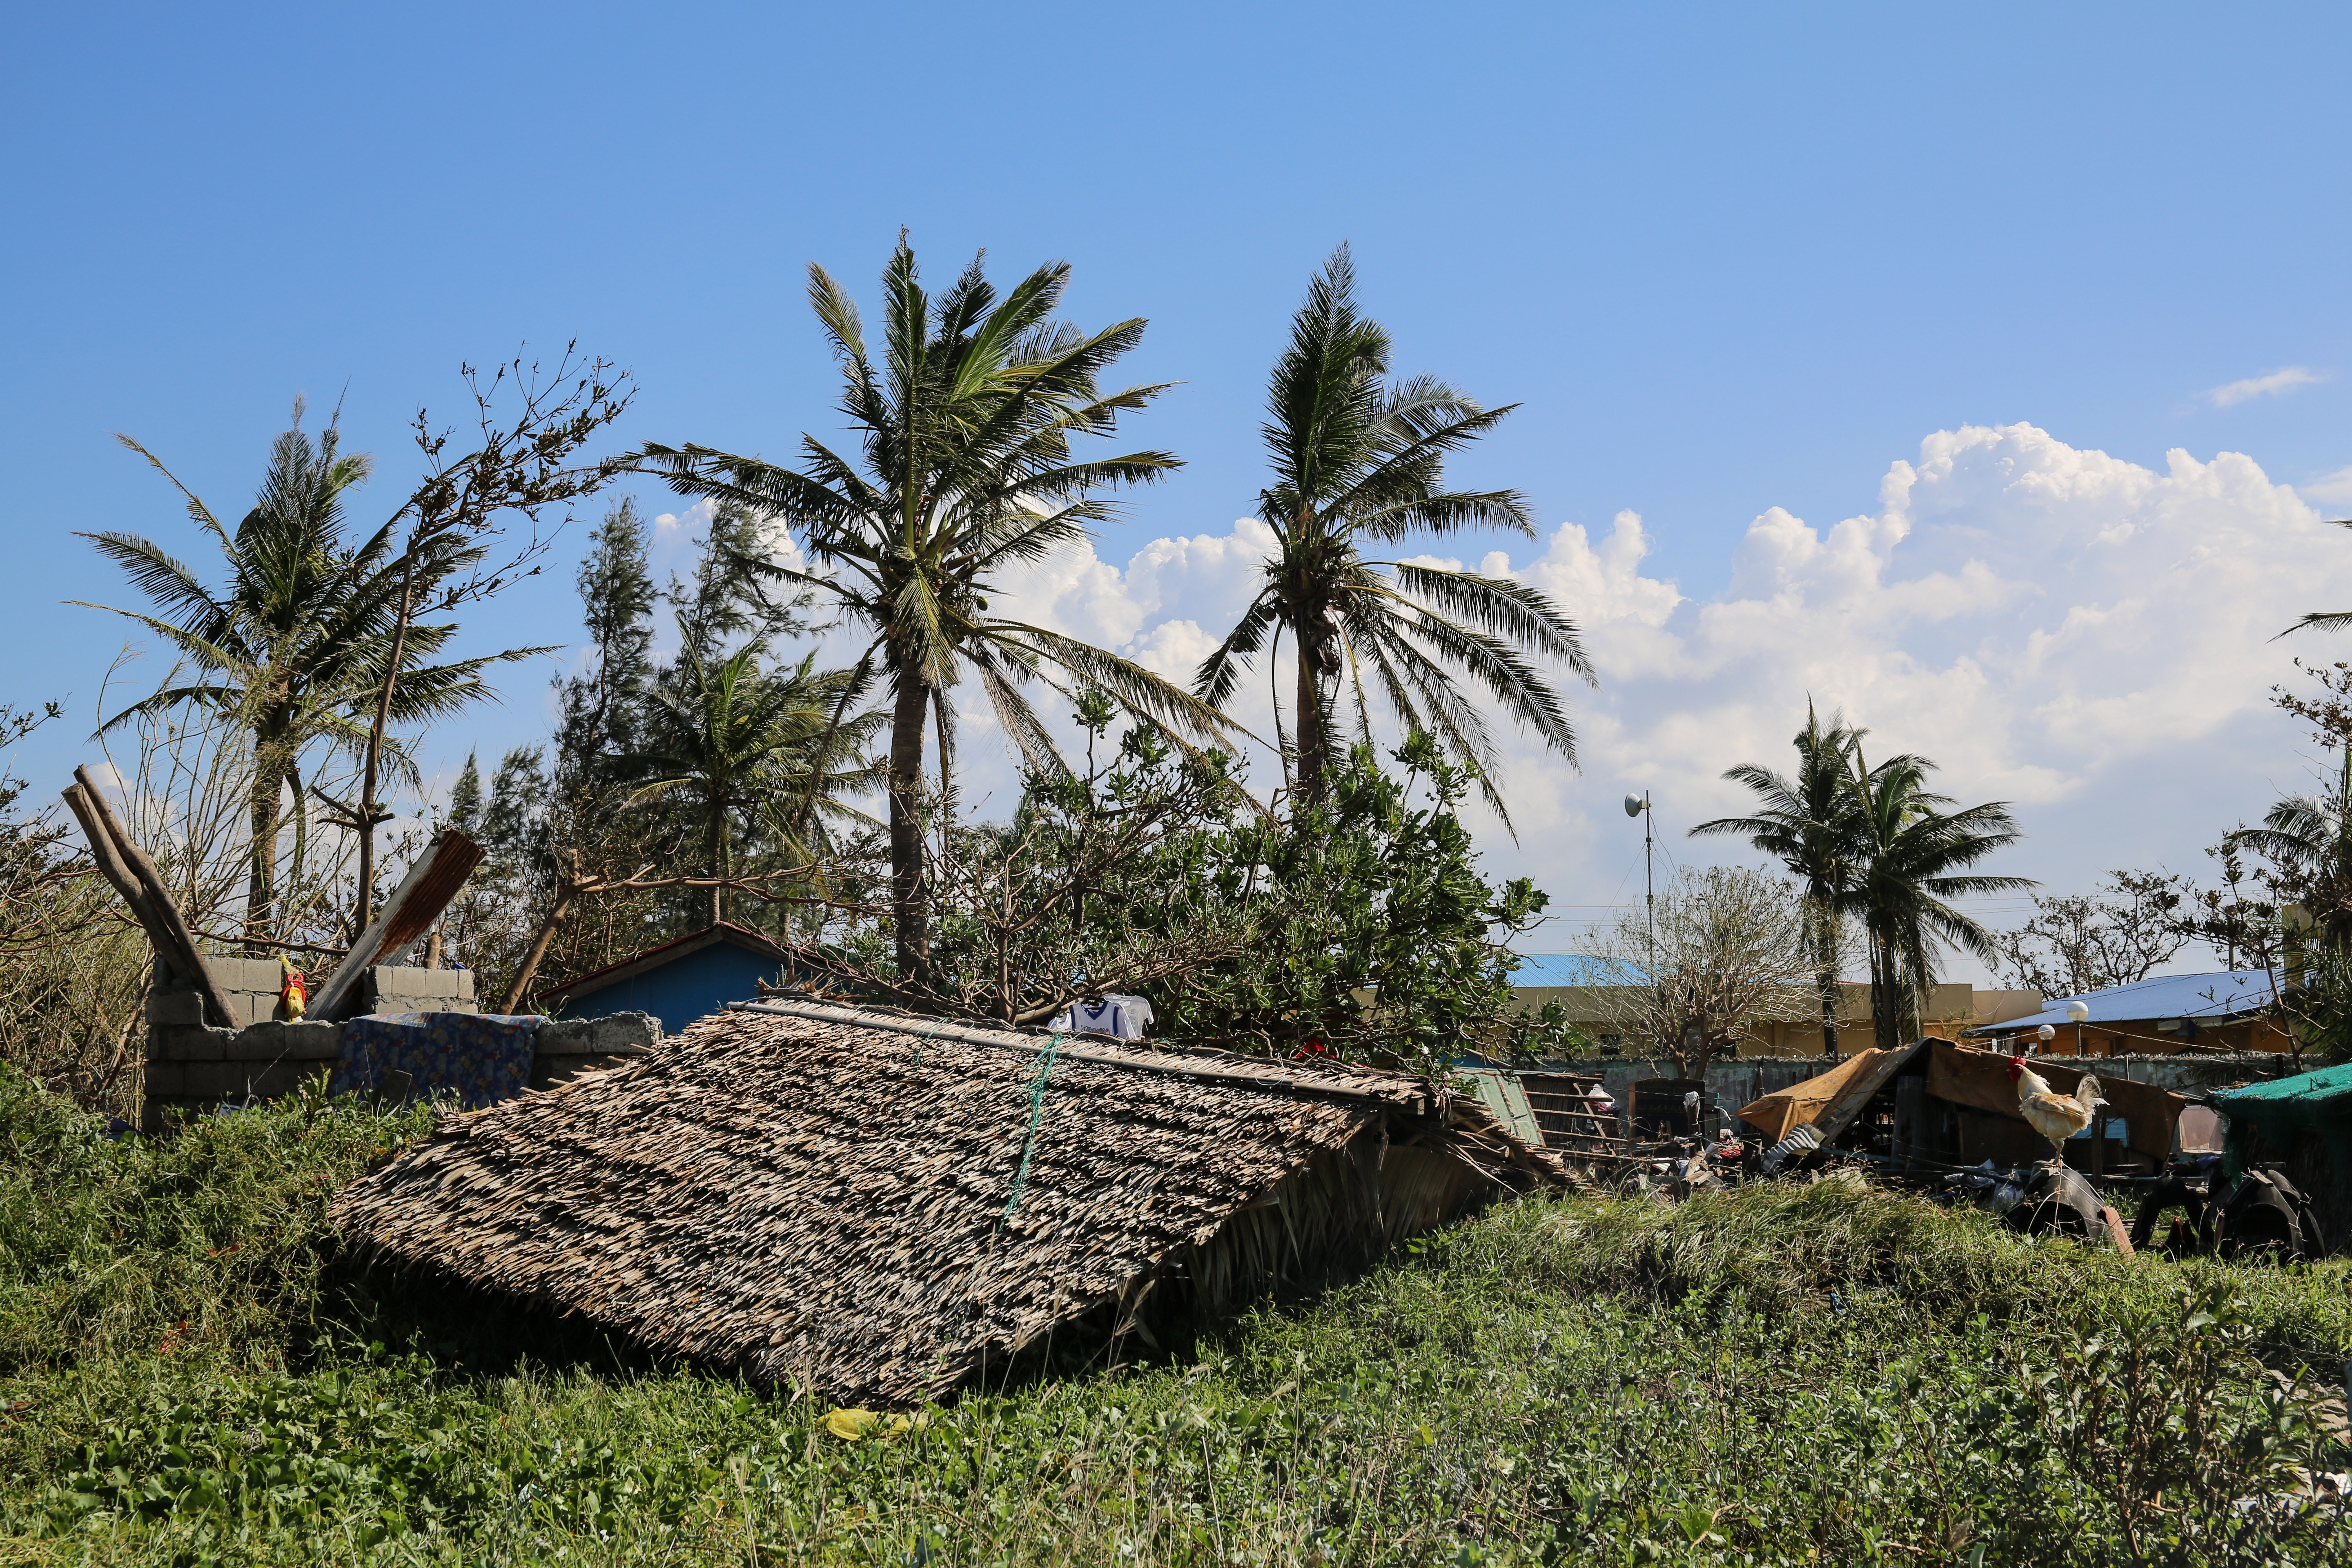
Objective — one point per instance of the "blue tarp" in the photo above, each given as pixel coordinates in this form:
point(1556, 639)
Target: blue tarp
point(476, 1059)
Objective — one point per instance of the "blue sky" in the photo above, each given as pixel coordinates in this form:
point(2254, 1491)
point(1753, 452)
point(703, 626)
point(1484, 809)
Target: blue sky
point(1728, 260)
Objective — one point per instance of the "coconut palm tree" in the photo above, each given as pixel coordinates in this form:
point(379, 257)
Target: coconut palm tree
point(1361, 459)
point(737, 741)
point(1911, 856)
point(2309, 838)
point(1808, 823)
point(294, 644)
point(965, 472)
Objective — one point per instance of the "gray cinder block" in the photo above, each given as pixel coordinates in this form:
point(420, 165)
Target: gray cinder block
point(174, 1007)
point(616, 1034)
point(247, 974)
point(308, 1041)
point(393, 988)
point(215, 1080)
point(189, 1043)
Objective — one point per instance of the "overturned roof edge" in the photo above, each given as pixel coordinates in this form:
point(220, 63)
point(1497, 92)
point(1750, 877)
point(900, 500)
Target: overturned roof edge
point(1190, 1062)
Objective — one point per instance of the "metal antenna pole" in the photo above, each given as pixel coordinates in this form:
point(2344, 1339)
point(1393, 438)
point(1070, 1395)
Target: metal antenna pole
point(1639, 805)
point(1650, 876)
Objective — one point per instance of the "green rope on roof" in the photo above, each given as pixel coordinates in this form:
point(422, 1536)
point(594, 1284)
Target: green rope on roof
point(924, 1039)
point(1029, 1139)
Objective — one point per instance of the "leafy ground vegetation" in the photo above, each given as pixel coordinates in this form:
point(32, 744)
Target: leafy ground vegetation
point(1788, 1374)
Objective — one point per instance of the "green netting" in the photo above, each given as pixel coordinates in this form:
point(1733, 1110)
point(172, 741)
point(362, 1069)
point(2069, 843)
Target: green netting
point(2287, 1112)
point(1029, 1139)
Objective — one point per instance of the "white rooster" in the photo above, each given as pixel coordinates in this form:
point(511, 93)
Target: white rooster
point(2055, 1116)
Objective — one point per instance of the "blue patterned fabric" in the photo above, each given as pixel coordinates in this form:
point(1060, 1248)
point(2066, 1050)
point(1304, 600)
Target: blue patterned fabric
point(476, 1059)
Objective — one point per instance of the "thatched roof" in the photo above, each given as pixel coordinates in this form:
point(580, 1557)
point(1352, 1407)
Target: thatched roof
point(877, 1206)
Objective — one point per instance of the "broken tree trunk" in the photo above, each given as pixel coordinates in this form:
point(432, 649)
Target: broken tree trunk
point(104, 855)
point(178, 944)
point(574, 884)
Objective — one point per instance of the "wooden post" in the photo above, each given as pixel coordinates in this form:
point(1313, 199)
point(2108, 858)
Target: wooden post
point(431, 882)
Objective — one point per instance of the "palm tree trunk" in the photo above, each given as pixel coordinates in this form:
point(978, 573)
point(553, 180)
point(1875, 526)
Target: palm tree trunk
point(261, 881)
point(1897, 982)
point(1825, 975)
point(717, 837)
point(1312, 760)
point(363, 910)
point(1882, 990)
point(909, 898)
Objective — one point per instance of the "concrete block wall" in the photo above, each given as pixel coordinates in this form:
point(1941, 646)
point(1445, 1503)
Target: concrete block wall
point(193, 1068)
point(252, 985)
point(564, 1048)
point(388, 988)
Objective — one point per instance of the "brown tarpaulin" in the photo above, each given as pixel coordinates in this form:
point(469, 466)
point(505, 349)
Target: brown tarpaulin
point(1981, 1079)
point(1829, 1103)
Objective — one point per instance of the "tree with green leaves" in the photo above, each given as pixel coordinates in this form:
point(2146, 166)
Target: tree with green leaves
point(737, 741)
point(298, 644)
point(1808, 821)
point(964, 470)
point(1372, 930)
point(617, 597)
point(1359, 459)
point(1911, 857)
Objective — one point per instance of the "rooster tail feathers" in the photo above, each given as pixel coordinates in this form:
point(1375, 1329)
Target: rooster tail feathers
point(2088, 1093)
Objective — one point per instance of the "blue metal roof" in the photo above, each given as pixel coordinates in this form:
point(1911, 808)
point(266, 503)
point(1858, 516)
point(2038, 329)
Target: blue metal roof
point(2208, 998)
point(1568, 969)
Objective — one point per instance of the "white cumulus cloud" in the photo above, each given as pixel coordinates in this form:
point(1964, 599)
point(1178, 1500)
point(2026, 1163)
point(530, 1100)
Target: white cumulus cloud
point(2086, 637)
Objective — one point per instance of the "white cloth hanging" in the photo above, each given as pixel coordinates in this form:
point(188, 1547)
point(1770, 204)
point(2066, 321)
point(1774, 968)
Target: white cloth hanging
point(1126, 1017)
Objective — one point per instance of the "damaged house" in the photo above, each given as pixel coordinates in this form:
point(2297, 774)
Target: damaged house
point(880, 1209)
point(1934, 1102)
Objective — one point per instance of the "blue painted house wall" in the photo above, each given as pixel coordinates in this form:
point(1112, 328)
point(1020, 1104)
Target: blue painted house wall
point(691, 986)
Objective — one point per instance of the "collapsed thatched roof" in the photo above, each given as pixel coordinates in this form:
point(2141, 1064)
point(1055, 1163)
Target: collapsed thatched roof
point(875, 1207)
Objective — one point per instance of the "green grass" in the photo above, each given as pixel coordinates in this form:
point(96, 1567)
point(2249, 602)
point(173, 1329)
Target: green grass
point(1807, 1374)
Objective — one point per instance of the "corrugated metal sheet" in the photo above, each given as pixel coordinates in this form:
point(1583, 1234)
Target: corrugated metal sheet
point(2208, 998)
point(1502, 1093)
point(1568, 969)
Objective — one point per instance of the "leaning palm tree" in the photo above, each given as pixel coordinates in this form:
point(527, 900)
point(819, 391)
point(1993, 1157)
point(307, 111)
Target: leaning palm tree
point(1912, 856)
point(1808, 823)
point(739, 742)
point(966, 472)
point(294, 644)
point(1361, 459)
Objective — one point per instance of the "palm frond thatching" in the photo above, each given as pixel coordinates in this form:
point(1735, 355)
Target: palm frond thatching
point(878, 1208)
